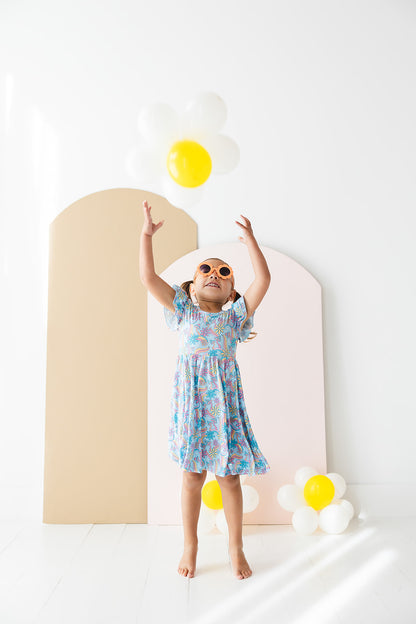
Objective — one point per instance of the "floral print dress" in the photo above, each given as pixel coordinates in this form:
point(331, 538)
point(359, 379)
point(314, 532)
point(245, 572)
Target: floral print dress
point(209, 426)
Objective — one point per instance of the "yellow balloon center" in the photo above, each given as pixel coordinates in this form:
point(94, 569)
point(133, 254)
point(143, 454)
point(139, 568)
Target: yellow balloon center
point(188, 163)
point(319, 491)
point(211, 495)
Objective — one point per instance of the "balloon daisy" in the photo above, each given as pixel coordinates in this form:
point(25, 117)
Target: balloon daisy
point(179, 153)
point(212, 509)
point(316, 500)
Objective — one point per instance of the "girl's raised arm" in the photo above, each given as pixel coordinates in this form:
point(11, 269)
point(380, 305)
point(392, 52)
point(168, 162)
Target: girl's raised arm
point(258, 288)
point(160, 289)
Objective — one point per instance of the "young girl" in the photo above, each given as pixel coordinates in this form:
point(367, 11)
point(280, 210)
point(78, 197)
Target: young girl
point(209, 426)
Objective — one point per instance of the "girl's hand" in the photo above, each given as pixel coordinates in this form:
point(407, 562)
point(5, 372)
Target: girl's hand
point(248, 232)
point(149, 227)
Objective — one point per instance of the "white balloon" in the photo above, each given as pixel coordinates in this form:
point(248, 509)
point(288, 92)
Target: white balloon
point(305, 520)
point(181, 196)
point(345, 504)
point(143, 165)
point(333, 519)
point(304, 474)
point(250, 498)
point(339, 483)
point(205, 113)
point(206, 521)
point(221, 522)
point(224, 151)
point(290, 497)
point(159, 125)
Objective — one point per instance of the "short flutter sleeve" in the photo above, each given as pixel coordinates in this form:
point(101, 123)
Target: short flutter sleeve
point(240, 312)
point(181, 303)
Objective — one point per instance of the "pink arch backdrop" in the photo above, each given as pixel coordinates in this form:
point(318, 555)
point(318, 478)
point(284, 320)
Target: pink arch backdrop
point(282, 373)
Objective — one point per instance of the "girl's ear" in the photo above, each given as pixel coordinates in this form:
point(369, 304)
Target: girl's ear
point(192, 293)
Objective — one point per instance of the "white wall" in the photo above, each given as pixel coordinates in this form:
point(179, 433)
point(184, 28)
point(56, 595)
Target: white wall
point(321, 99)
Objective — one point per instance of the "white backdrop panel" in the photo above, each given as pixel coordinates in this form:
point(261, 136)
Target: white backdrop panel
point(282, 374)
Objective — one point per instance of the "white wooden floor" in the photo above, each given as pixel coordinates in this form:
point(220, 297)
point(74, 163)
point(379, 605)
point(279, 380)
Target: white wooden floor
point(124, 574)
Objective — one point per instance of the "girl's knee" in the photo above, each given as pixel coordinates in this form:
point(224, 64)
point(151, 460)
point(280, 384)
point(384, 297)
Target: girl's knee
point(229, 480)
point(194, 479)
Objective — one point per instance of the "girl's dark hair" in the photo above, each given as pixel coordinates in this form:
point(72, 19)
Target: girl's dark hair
point(185, 287)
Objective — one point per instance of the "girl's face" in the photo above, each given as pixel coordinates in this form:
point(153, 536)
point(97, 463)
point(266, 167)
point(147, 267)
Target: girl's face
point(212, 288)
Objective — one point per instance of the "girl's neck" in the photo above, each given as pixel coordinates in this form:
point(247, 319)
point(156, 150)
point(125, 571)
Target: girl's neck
point(210, 307)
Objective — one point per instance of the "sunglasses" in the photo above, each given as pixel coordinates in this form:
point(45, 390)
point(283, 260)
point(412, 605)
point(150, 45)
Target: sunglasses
point(223, 270)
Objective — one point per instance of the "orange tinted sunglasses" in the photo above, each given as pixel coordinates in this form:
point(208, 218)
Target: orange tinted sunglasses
point(222, 270)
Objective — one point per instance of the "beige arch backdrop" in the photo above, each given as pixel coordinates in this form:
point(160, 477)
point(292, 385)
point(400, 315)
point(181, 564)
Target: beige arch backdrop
point(95, 468)
point(282, 372)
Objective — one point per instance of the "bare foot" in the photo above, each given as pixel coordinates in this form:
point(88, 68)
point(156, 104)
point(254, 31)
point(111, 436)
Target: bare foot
point(187, 563)
point(239, 563)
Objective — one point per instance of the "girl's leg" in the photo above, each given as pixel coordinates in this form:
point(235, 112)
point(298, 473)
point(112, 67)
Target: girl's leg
point(232, 499)
point(192, 483)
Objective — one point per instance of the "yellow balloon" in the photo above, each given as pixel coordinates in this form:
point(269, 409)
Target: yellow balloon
point(188, 163)
point(319, 491)
point(211, 495)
